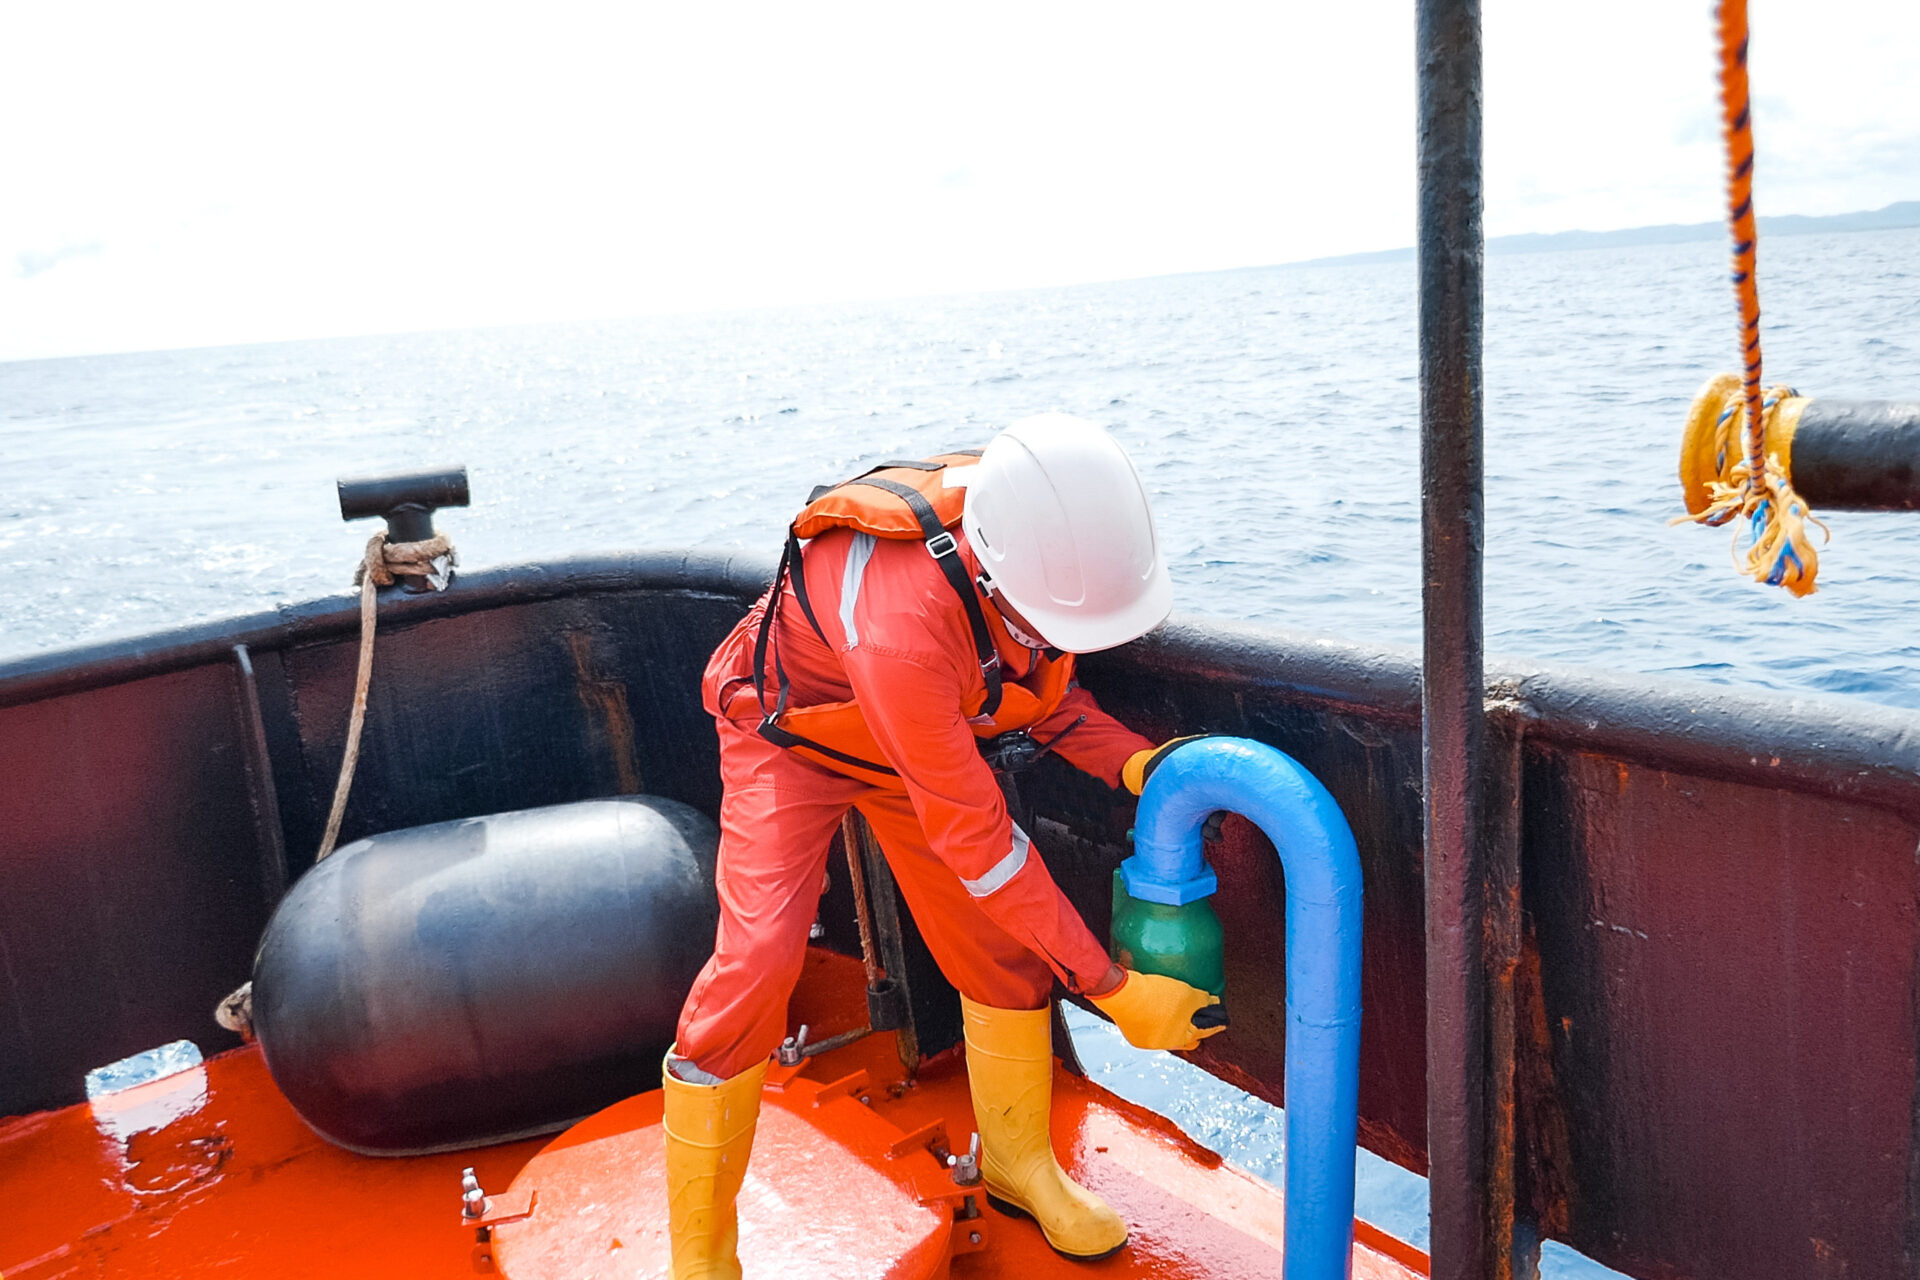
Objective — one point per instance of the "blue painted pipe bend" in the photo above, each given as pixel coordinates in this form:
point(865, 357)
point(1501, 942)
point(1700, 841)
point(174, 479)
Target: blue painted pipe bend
point(1322, 868)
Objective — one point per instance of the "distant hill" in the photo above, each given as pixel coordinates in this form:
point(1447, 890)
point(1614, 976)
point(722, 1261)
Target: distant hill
point(1906, 213)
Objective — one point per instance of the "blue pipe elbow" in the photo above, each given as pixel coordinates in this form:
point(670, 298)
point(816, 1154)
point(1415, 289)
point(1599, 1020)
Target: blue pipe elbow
point(1322, 867)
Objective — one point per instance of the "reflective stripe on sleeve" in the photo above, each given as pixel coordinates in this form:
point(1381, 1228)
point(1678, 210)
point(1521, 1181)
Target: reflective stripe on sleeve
point(850, 579)
point(1005, 869)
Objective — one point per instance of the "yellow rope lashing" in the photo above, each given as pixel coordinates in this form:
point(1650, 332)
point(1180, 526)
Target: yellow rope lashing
point(1753, 482)
point(1715, 477)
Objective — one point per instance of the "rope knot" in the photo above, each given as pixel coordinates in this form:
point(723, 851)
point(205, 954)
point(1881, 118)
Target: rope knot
point(387, 562)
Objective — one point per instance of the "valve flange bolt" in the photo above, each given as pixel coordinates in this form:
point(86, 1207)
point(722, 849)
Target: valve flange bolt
point(793, 1050)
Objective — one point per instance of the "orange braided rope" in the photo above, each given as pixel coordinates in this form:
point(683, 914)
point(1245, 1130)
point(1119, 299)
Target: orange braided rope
point(1737, 120)
point(1777, 550)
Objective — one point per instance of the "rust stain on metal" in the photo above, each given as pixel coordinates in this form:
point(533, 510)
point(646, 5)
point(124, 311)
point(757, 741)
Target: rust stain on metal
point(1502, 959)
point(606, 701)
point(1547, 1162)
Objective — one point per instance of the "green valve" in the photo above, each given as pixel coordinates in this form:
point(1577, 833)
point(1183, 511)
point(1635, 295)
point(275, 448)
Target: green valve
point(1181, 942)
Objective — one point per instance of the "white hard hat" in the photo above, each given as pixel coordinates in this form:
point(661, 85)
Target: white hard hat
point(1059, 519)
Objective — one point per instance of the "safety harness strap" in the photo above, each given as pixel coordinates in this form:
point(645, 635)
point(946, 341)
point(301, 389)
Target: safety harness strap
point(791, 557)
point(781, 737)
point(763, 641)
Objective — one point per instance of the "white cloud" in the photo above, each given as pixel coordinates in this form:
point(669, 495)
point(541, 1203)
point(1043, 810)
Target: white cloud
point(253, 172)
point(1608, 116)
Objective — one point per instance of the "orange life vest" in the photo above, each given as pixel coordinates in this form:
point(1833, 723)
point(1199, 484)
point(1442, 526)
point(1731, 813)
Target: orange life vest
point(898, 501)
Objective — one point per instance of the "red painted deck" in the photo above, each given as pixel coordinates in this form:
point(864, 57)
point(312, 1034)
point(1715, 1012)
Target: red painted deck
point(210, 1172)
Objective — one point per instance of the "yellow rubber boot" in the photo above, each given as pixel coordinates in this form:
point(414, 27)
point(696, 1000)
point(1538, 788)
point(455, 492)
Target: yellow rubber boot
point(709, 1133)
point(1010, 1070)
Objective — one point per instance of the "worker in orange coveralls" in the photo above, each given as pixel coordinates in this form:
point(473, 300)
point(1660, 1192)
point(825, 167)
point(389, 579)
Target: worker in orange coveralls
point(933, 605)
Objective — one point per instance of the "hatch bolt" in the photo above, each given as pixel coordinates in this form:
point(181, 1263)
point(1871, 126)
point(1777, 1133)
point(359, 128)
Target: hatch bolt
point(793, 1050)
point(966, 1168)
point(473, 1201)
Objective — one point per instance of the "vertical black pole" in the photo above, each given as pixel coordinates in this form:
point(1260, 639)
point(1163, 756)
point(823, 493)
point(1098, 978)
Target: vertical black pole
point(1447, 52)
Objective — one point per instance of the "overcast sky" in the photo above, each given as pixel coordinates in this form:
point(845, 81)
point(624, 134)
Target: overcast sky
point(180, 175)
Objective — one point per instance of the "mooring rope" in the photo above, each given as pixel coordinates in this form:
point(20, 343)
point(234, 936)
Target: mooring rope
point(383, 564)
point(1777, 549)
point(380, 567)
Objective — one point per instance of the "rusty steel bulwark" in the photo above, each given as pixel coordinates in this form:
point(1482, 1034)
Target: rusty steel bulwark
point(1714, 1032)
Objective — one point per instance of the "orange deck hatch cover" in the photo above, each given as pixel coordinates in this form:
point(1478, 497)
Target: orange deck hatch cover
point(832, 1190)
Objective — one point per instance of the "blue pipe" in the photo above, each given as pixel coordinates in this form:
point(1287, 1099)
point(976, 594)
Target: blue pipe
point(1322, 867)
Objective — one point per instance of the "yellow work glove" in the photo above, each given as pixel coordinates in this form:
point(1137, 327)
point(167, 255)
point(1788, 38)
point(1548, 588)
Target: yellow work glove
point(1133, 774)
point(1154, 1011)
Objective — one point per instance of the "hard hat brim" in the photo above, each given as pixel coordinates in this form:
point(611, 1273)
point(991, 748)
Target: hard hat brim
point(1082, 632)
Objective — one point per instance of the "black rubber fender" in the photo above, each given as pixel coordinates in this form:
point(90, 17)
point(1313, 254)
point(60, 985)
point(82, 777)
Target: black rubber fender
point(475, 981)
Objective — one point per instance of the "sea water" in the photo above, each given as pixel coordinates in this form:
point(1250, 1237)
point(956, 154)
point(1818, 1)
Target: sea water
point(1272, 411)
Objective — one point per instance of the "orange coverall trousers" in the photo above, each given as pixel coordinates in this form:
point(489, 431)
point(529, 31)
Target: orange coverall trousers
point(777, 821)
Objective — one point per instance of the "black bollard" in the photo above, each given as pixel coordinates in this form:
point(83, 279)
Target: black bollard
point(406, 502)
